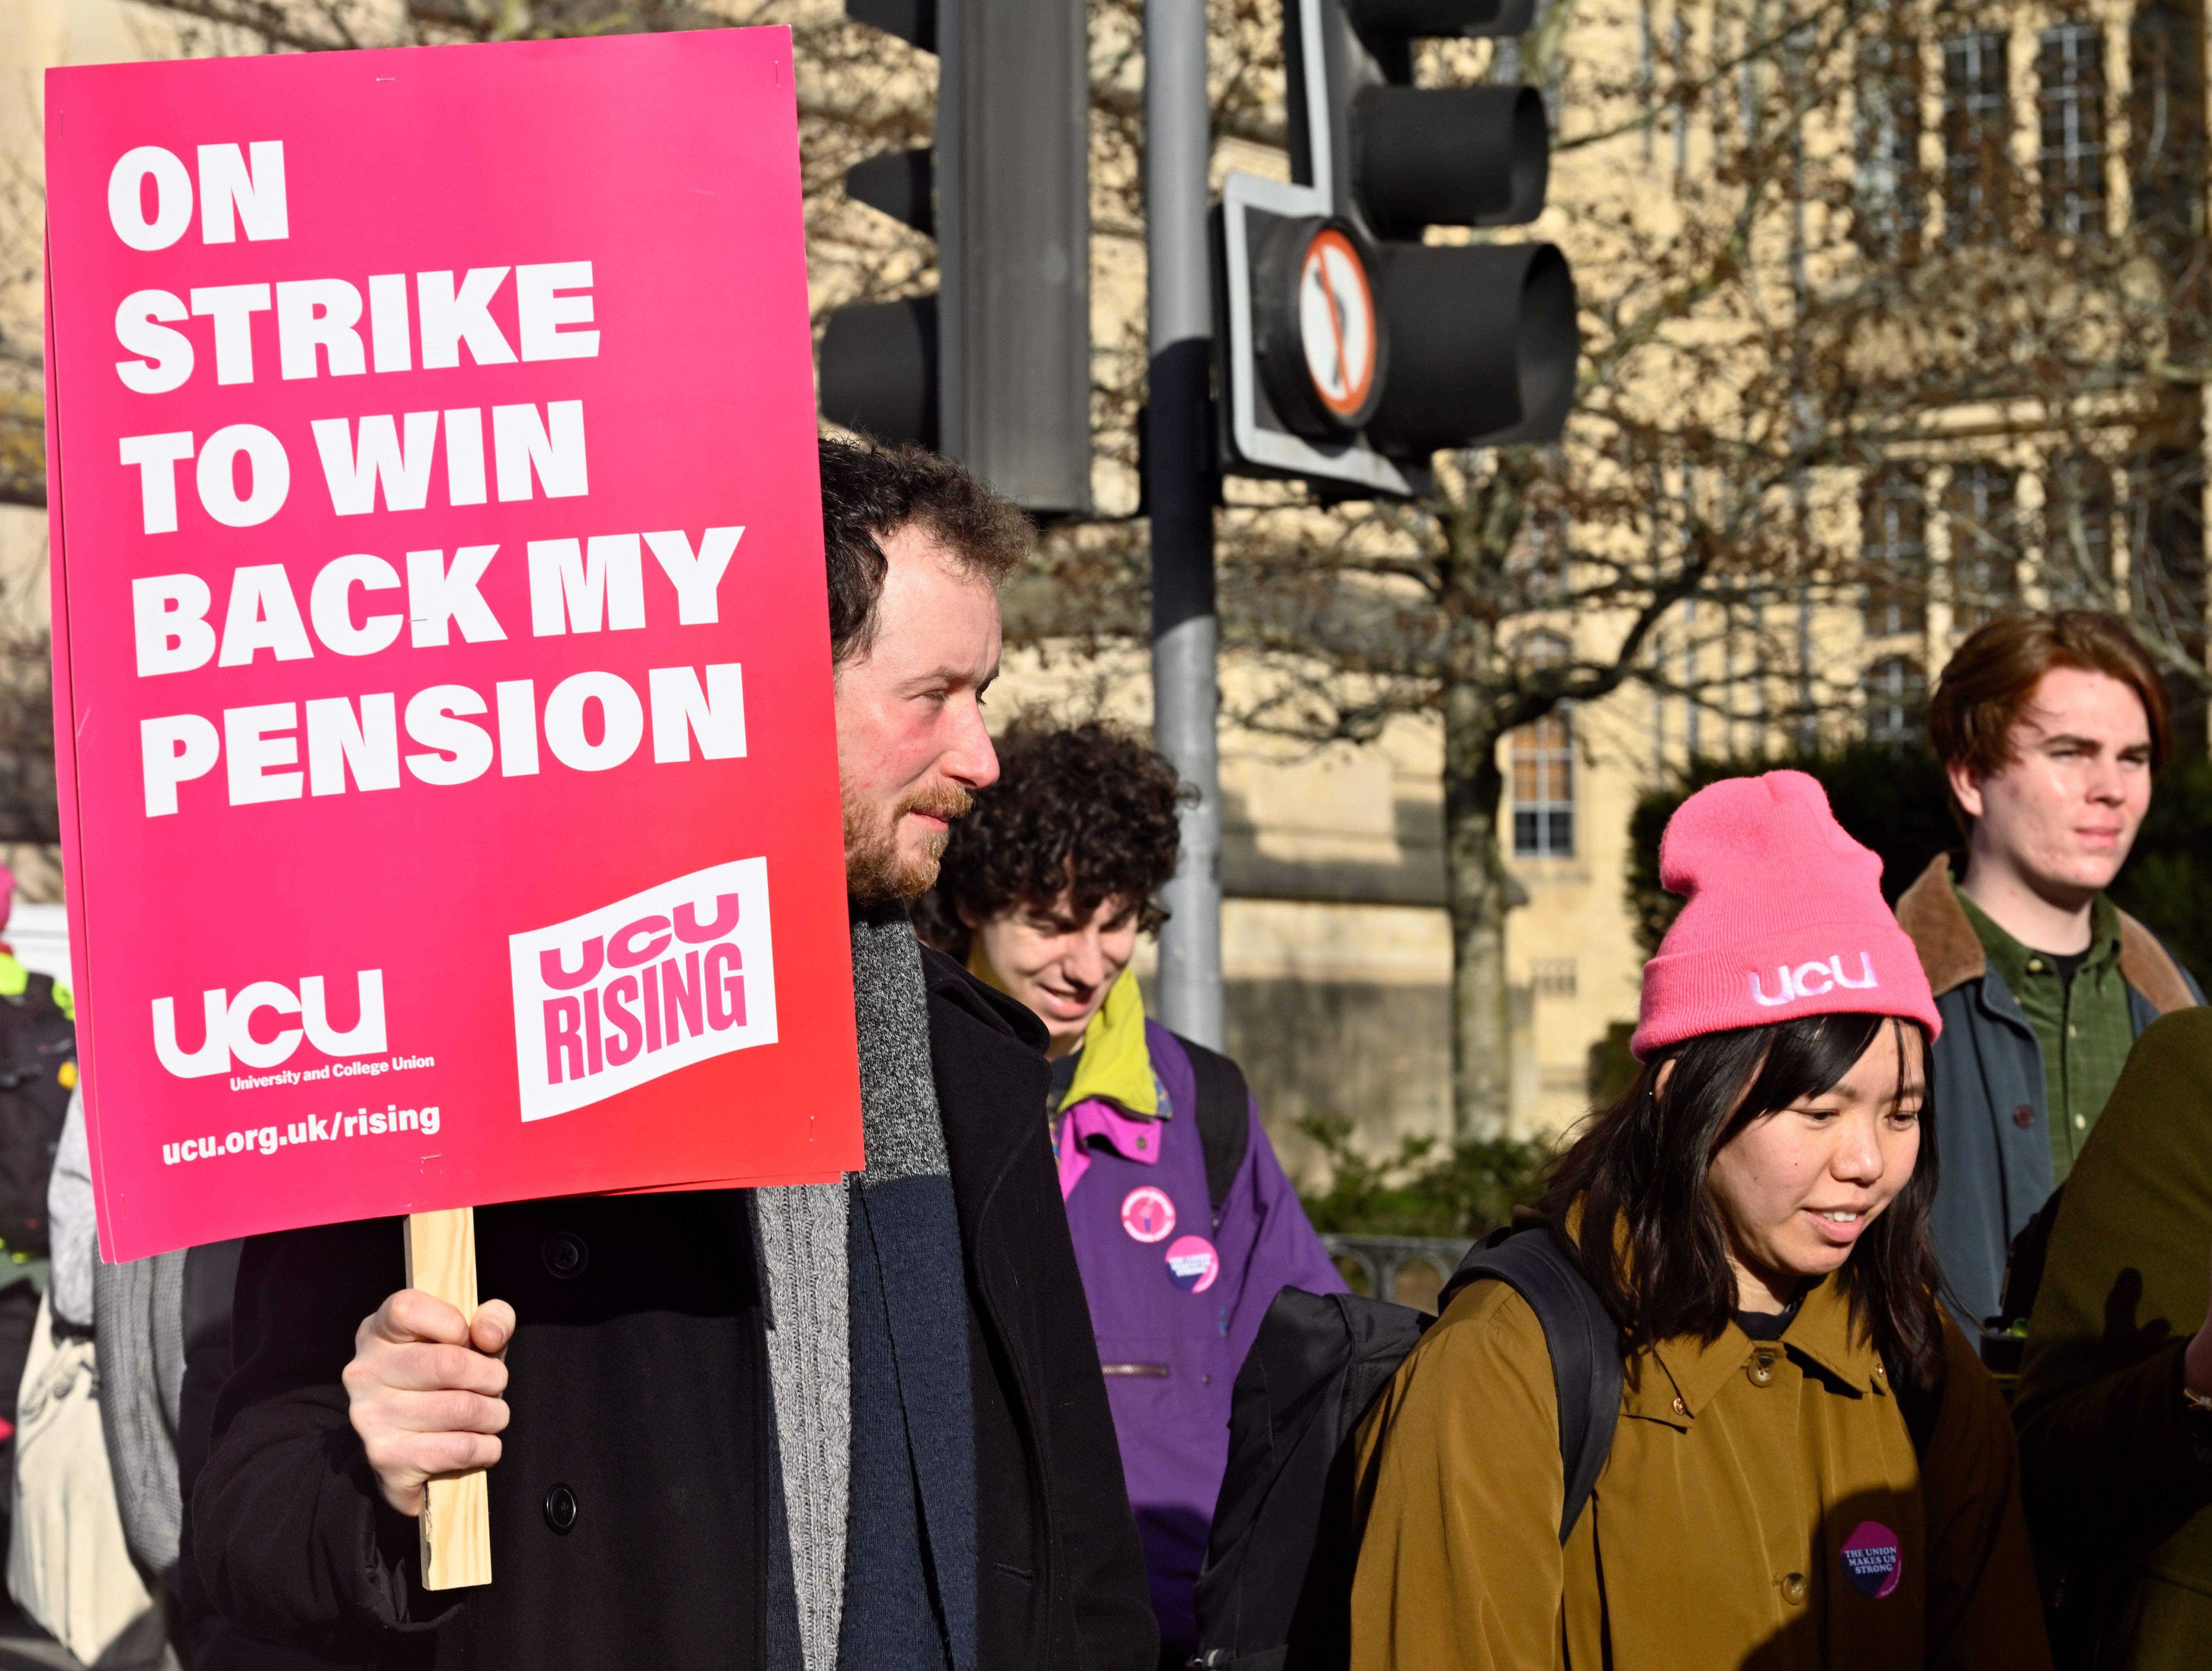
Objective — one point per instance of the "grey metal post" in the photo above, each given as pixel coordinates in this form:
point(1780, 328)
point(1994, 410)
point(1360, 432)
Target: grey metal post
point(1178, 143)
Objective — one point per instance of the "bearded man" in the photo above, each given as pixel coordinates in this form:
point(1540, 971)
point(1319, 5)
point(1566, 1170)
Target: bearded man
point(856, 1425)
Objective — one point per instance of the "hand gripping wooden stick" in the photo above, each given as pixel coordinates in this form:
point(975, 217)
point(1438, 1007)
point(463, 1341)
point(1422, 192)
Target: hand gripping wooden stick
point(456, 1521)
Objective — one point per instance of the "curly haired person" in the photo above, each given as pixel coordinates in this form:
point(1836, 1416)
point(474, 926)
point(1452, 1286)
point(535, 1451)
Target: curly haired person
point(1045, 887)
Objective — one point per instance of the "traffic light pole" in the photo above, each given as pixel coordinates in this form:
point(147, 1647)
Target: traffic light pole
point(1179, 486)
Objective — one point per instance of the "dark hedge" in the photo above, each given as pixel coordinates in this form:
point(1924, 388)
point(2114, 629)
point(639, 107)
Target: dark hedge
point(1893, 800)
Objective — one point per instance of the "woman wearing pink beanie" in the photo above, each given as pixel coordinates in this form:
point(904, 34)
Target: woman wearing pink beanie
point(1809, 1466)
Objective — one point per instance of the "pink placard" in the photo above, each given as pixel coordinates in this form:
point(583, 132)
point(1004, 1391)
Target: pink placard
point(448, 771)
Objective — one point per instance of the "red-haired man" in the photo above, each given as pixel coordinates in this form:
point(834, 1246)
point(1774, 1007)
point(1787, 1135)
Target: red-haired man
point(2049, 727)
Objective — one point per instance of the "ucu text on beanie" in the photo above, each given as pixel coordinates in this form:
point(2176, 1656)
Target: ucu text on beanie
point(1783, 916)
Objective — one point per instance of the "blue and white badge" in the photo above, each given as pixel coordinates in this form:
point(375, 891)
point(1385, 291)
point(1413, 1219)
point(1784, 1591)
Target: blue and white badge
point(1193, 1265)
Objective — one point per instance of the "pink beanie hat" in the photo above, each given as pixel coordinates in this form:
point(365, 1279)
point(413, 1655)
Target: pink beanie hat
point(1782, 917)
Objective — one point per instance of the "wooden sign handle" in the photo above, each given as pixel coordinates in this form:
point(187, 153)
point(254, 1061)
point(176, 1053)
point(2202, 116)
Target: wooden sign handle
point(456, 1520)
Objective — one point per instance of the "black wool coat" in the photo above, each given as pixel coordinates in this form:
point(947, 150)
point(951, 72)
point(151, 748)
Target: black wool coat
point(641, 1415)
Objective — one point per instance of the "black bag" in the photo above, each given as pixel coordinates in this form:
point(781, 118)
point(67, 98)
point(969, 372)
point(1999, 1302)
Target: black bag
point(1275, 1591)
point(2004, 1337)
point(38, 1066)
point(1225, 1118)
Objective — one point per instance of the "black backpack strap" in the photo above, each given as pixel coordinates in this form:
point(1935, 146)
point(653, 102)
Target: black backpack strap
point(1920, 1398)
point(1583, 1340)
point(2024, 1262)
point(1919, 1403)
point(1223, 1115)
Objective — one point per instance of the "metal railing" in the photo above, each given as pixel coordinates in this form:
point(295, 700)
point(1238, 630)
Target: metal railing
point(1409, 1269)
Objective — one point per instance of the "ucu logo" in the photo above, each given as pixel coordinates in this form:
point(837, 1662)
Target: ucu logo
point(1811, 980)
point(637, 989)
point(227, 1021)
point(689, 974)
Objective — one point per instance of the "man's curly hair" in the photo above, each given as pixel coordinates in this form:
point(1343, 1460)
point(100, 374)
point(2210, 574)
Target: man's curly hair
point(870, 492)
point(1089, 810)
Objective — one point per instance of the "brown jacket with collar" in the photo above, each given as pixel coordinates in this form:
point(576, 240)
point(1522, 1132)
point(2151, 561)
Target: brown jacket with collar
point(1987, 1089)
point(1762, 1506)
point(1951, 953)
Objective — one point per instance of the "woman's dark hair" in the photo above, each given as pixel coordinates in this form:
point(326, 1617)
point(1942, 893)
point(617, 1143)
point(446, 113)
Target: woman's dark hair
point(1651, 1238)
point(1090, 808)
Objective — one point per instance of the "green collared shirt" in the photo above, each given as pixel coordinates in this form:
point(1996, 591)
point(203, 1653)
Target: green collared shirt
point(2084, 1026)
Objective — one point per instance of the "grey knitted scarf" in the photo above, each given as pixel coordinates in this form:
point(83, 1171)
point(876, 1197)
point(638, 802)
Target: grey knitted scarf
point(803, 1234)
point(138, 1319)
point(868, 1362)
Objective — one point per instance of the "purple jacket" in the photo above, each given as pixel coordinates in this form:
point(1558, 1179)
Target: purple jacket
point(1176, 1301)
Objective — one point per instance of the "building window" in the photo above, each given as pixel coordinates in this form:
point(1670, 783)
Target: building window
point(1543, 755)
point(2078, 502)
point(2165, 125)
point(1552, 977)
point(1886, 192)
point(1544, 788)
point(1894, 552)
point(2166, 543)
point(1896, 697)
point(1544, 562)
point(1977, 129)
point(1985, 563)
point(2070, 159)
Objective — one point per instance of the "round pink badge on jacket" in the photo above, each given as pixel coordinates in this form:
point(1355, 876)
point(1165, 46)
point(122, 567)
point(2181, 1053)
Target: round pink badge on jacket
point(1873, 1560)
point(1147, 1213)
point(1193, 1265)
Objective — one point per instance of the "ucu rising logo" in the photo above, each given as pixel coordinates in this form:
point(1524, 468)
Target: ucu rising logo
point(227, 1021)
point(1811, 980)
point(608, 1000)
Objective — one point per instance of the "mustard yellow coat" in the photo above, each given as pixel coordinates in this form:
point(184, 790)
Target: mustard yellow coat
point(1762, 1506)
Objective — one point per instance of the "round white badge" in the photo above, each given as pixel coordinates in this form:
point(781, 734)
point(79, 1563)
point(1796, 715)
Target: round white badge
point(1147, 1214)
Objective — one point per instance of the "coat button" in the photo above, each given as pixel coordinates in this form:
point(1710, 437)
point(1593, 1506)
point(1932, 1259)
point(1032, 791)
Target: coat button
point(1680, 1408)
point(566, 1256)
point(561, 1509)
point(1793, 1589)
point(2023, 1116)
point(1762, 1369)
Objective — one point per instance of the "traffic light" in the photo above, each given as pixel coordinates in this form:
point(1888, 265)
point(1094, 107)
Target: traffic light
point(1350, 350)
point(995, 368)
